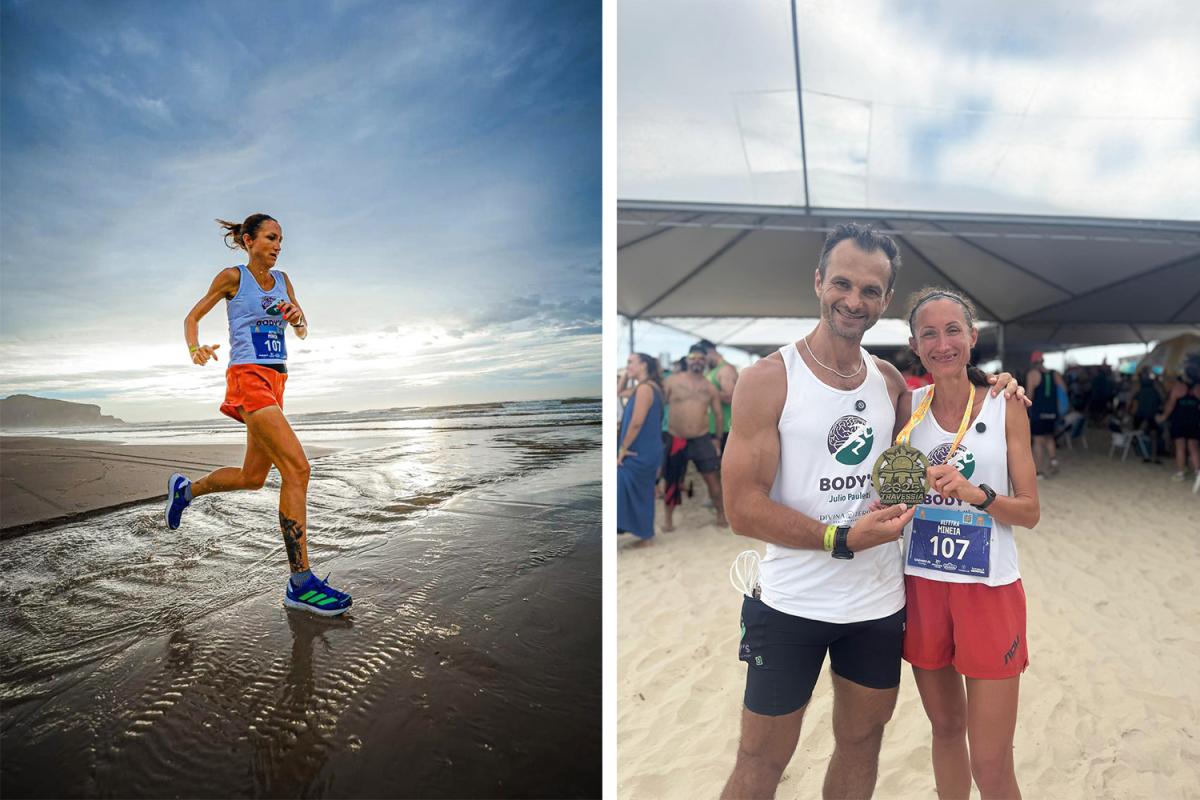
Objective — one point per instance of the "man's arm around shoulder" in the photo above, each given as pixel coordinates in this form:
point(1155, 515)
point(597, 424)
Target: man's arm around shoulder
point(899, 392)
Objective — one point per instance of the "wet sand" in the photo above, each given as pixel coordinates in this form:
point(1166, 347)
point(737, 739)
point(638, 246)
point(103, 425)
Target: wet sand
point(48, 480)
point(141, 662)
point(1110, 704)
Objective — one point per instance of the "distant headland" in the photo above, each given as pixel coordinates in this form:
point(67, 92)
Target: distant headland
point(27, 411)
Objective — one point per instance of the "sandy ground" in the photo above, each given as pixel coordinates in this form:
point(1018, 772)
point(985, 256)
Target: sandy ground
point(1110, 704)
point(137, 661)
point(48, 480)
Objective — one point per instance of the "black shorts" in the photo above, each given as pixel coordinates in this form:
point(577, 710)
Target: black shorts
point(1042, 424)
point(703, 453)
point(785, 655)
point(1185, 429)
point(700, 451)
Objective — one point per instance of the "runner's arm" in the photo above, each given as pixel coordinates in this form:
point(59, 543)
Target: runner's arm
point(1022, 507)
point(223, 286)
point(295, 316)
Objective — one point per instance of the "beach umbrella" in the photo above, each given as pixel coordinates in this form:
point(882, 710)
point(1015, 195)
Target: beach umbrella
point(1171, 354)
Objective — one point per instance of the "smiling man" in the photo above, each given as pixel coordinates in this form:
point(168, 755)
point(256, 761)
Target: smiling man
point(810, 421)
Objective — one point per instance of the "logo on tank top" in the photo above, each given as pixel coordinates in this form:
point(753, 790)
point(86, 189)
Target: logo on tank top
point(850, 440)
point(963, 460)
point(271, 306)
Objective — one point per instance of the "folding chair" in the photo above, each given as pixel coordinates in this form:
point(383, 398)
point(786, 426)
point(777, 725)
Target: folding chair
point(1076, 423)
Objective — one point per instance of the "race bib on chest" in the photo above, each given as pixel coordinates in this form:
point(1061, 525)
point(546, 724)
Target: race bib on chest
point(945, 540)
point(268, 342)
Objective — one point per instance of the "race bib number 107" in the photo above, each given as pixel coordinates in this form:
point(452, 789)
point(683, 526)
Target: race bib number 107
point(951, 541)
point(268, 342)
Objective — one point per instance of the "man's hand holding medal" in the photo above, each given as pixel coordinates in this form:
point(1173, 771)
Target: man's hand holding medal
point(881, 525)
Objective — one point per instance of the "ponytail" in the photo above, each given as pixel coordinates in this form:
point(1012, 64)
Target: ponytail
point(976, 376)
point(235, 230)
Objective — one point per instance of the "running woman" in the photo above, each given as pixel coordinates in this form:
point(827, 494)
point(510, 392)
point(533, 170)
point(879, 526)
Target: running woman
point(261, 304)
point(965, 635)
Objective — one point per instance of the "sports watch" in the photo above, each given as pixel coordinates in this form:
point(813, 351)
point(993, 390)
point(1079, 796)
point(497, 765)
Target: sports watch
point(987, 501)
point(840, 548)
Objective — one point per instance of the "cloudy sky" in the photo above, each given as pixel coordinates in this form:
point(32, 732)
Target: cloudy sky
point(1029, 106)
point(435, 167)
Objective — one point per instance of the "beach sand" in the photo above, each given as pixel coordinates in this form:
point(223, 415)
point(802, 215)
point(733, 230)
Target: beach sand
point(1110, 704)
point(48, 480)
point(136, 661)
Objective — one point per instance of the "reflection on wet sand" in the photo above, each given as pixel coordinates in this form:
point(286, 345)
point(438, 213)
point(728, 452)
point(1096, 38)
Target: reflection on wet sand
point(469, 666)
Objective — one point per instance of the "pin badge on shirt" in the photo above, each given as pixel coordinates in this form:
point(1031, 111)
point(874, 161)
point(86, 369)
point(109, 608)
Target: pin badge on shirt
point(860, 405)
point(980, 427)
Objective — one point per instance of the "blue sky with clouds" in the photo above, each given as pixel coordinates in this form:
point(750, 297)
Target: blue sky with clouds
point(1026, 106)
point(436, 167)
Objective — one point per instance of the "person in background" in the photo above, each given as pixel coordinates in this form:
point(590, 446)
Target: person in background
point(690, 397)
point(640, 452)
point(908, 365)
point(1145, 408)
point(1043, 385)
point(723, 375)
point(1183, 411)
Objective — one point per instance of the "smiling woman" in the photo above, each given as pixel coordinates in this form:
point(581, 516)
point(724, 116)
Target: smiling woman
point(261, 304)
point(966, 634)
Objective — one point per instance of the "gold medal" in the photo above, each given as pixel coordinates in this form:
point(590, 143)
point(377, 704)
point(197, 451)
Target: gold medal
point(900, 474)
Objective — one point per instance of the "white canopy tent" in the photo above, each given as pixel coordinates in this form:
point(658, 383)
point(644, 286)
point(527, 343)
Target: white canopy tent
point(1047, 282)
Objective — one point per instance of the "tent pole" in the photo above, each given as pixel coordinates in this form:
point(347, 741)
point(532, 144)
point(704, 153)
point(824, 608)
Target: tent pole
point(1000, 345)
point(632, 348)
point(800, 108)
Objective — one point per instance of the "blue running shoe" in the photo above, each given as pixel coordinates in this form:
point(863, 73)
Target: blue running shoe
point(318, 597)
point(176, 499)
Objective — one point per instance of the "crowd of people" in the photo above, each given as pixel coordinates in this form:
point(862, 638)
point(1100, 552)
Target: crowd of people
point(690, 413)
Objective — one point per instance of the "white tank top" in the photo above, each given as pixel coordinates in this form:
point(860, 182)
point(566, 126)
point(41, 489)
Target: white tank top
point(981, 458)
point(828, 442)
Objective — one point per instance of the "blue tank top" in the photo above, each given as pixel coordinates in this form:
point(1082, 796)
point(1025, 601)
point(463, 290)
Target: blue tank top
point(256, 326)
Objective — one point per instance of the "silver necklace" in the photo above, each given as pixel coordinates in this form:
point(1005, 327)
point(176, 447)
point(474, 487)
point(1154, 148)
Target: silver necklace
point(861, 362)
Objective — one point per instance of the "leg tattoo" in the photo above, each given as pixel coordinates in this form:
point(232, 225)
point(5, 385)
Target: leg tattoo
point(296, 542)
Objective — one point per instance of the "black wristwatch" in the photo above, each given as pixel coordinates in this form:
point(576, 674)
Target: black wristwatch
point(840, 548)
point(987, 501)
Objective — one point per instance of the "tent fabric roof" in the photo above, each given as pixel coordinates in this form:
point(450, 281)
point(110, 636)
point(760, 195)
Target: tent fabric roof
point(1065, 281)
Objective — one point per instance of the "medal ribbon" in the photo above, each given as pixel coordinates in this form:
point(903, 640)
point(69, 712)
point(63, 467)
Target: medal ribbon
point(923, 409)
